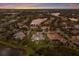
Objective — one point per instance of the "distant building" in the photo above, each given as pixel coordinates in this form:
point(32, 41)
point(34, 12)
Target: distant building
point(75, 40)
point(38, 21)
point(19, 35)
point(73, 19)
point(55, 14)
point(37, 36)
point(75, 32)
point(11, 21)
point(76, 26)
point(55, 38)
point(19, 25)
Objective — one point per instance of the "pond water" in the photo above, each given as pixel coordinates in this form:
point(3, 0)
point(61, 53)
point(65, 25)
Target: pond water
point(7, 51)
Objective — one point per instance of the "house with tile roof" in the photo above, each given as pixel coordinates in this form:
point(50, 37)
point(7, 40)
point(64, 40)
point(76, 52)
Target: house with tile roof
point(55, 38)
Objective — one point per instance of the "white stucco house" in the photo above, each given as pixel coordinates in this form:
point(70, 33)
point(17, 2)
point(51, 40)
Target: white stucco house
point(37, 36)
point(19, 35)
point(55, 14)
point(73, 19)
point(38, 21)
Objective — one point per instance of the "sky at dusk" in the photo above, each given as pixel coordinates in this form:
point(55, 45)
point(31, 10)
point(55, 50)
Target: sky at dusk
point(38, 5)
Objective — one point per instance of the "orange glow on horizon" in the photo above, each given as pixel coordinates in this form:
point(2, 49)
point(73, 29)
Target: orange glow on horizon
point(27, 7)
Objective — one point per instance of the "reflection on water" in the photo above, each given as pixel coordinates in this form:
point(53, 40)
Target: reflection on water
point(7, 51)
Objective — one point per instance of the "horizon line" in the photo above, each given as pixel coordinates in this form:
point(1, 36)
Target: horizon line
point(39, 8)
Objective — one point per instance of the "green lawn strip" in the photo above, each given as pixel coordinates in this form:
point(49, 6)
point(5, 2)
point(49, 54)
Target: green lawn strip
point(10, 45)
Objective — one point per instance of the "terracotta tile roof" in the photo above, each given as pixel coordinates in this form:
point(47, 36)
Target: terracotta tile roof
point(54, 36)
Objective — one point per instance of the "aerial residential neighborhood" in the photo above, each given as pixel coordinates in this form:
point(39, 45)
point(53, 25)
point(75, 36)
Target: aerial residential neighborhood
point(40, 31)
